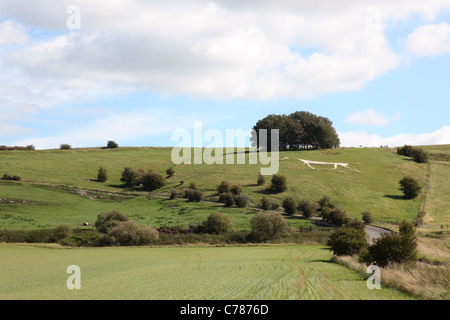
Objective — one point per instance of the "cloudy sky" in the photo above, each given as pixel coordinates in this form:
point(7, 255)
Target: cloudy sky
point(85, 72)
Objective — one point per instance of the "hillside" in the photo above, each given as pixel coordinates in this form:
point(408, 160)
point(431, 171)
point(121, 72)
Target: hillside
point(61, 184)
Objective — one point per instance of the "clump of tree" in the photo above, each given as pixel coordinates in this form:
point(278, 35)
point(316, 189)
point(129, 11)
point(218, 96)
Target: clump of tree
point(29, 147)
point(147, 180)
point(278, 183)
point(367, 217)
point(336, 216)
point(111, 145)
point(290, 205)
point(418, 154)
point(217, 223)
point(261, 180)
point(269, 204)
point(410, 187)
point(267, 226)
point(102, 175)
point(109, 219)
point(193, 193)
point(170, 172)
point(62, 231)
point(393, 247)
point(308, 208)
point(11, 178)
point(65, 146)
point(300, 129)
point(348, 240)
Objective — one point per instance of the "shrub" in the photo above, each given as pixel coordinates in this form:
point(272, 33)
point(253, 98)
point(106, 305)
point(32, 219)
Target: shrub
point(338, 217)
point(224, 187)
point(129, 177)
point(63, 230)
point(236, 189)
point(194, 195)
point(267, 204)
point(410, 187)
point(112, 145)
point(151, 180)
point(227, 199)
point(217, 223)
point(267, 225)
point(128, 233)
point(107, 220)
point(367, 217)
point(241, 200)
point(290, 205)
point(347, 240)
point(406, 150)
point(278, 183)
point(393, 247)
point(170, 172)
point(326, 202)
point(30, 147)
point(65, 146)
point(308, 208)
point(261, 180)
point(193, 186)
point(420, 156)
point(173, 194)
point(102, 174)
point(11, 178)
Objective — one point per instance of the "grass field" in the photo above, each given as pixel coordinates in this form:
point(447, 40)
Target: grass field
point(374, 188)
point(169, 273)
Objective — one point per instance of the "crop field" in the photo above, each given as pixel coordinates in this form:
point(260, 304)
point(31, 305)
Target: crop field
point(171, 273)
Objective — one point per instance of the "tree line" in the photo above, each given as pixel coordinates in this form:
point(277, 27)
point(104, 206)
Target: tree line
point(298, 130)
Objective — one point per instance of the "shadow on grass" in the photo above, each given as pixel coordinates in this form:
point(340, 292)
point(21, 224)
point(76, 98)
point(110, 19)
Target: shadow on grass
point(395, 197)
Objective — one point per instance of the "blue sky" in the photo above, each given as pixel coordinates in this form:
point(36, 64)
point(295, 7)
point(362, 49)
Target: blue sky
point(136, 71)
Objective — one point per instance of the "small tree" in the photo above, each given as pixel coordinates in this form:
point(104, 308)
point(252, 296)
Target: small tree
point(347, 240)
point(108, 219)
point(152, 180)
point(129, 233)
point(261, 180)
point(227, 199)
point(63, 230)
point(170, 172)
point(193, 186)
point(241, 200)
point(290, 205)
point(267, 225)
point(173, 194)
point(367, 217)
point(129, 177)
point(224, 187)
point(194, 195)
point(326, 202)
point(410, 187)
point(102, 175)
point(65, 146)
point(266, 204)
point(278, 183)
point(308, 208)
point(112, 145)
point(420, 156)
point(217, 223)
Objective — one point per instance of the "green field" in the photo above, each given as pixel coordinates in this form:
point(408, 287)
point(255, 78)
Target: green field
point(46, 195)
point(171, 273)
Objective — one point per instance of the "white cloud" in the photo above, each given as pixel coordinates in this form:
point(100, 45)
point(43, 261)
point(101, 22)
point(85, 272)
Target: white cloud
point(11, 32)
point(429, 40)
point(356, 139)
point(371, 117)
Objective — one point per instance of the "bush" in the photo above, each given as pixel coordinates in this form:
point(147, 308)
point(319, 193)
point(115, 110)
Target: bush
point(261, 180)
point(278, 183)
point(170, 172)
point(347, 240)
point(194, 195)
point(227, 199)
point(193, 186)
point(410, 187)
point(338, 217)
point(217, 223)
point(173, 194)
point(65, 146)
point(406, 151)
point(241, 200)
point(236, 189)
point(151, 180)
point(112, 145)
point(63, 230)
point(308, 208)
point(109, 219)
point(102, 175)
point(267, 225)
point(224, 187)
point(326, 202)
point(367, 217)
point(290, 205)
point(129, 177)
point(11, 178)
point(267, 204)
point(129, 233)
point(420, 156)
point(393, 247)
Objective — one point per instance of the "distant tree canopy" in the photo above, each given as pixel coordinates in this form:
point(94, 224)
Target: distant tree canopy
point(299, 130)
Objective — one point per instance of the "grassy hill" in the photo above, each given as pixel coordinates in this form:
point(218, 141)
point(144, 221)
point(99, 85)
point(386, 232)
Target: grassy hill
point(60, 185)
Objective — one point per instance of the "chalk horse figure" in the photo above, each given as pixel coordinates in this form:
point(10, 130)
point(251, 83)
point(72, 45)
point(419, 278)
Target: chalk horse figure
point(336, 164)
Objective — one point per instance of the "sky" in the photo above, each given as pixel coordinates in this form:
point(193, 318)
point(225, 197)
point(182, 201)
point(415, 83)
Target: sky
point(86, 72)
